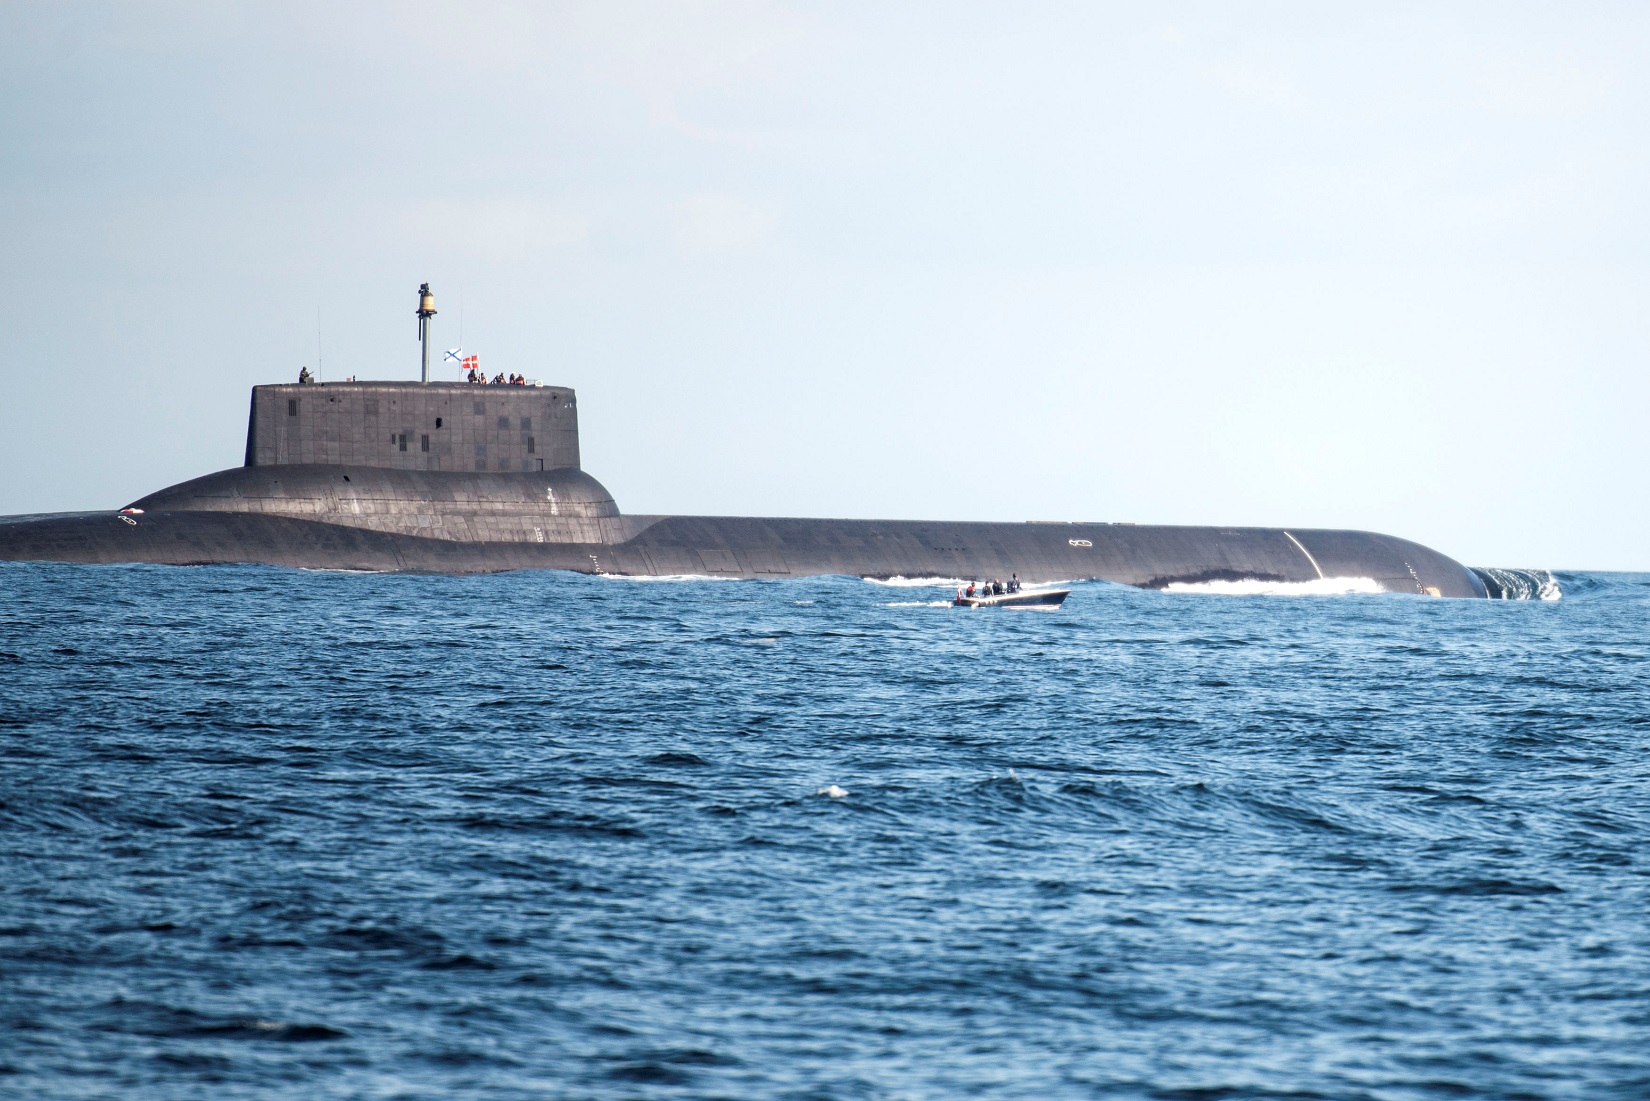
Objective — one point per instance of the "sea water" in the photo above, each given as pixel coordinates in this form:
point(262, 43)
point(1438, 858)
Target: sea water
point(270, 833)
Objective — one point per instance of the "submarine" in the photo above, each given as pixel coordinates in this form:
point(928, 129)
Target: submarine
point(454, 477)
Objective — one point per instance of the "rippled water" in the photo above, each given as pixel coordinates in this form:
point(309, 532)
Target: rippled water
point(272, 833)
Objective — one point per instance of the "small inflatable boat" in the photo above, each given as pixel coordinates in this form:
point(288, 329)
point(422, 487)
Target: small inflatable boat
point(1025, 598)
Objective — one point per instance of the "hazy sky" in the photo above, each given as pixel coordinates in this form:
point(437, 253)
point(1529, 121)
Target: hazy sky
point(1319, 264)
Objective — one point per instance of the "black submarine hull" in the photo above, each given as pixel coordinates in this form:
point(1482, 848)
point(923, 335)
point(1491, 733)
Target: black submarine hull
point(1147, 556)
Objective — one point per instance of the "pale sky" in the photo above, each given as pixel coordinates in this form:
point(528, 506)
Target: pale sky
point(1315, 264)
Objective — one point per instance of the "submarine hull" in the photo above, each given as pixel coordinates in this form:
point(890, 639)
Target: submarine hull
point(452, 478)
point(1148, 556)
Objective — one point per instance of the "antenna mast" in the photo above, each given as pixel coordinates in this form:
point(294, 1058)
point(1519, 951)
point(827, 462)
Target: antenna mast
point(426, 310)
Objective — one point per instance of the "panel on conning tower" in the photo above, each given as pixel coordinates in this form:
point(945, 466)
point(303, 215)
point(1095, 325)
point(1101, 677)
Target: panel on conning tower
point(414, 426)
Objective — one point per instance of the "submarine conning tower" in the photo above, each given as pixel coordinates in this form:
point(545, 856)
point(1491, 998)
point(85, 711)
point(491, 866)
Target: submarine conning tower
point(447, 426)
point(442, 460)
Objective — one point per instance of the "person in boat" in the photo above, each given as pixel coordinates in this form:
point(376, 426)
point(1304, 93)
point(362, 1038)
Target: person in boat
point(1014, 583)
point(304, 377)
point(970, 588)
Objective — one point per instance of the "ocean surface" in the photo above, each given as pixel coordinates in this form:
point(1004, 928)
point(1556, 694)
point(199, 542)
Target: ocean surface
point(271, 833)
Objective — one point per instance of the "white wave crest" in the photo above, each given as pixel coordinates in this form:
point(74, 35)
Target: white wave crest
point(918, 604)
point(1323, 586)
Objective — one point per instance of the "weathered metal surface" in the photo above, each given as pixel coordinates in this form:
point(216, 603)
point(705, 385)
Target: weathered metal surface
point(411, 426)
point(556, 506)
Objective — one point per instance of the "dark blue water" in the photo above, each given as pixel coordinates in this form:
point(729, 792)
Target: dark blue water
point(269, 833)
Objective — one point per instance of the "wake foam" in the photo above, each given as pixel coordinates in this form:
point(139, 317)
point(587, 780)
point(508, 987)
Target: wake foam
point(1323, 586)
point(1518, 584)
